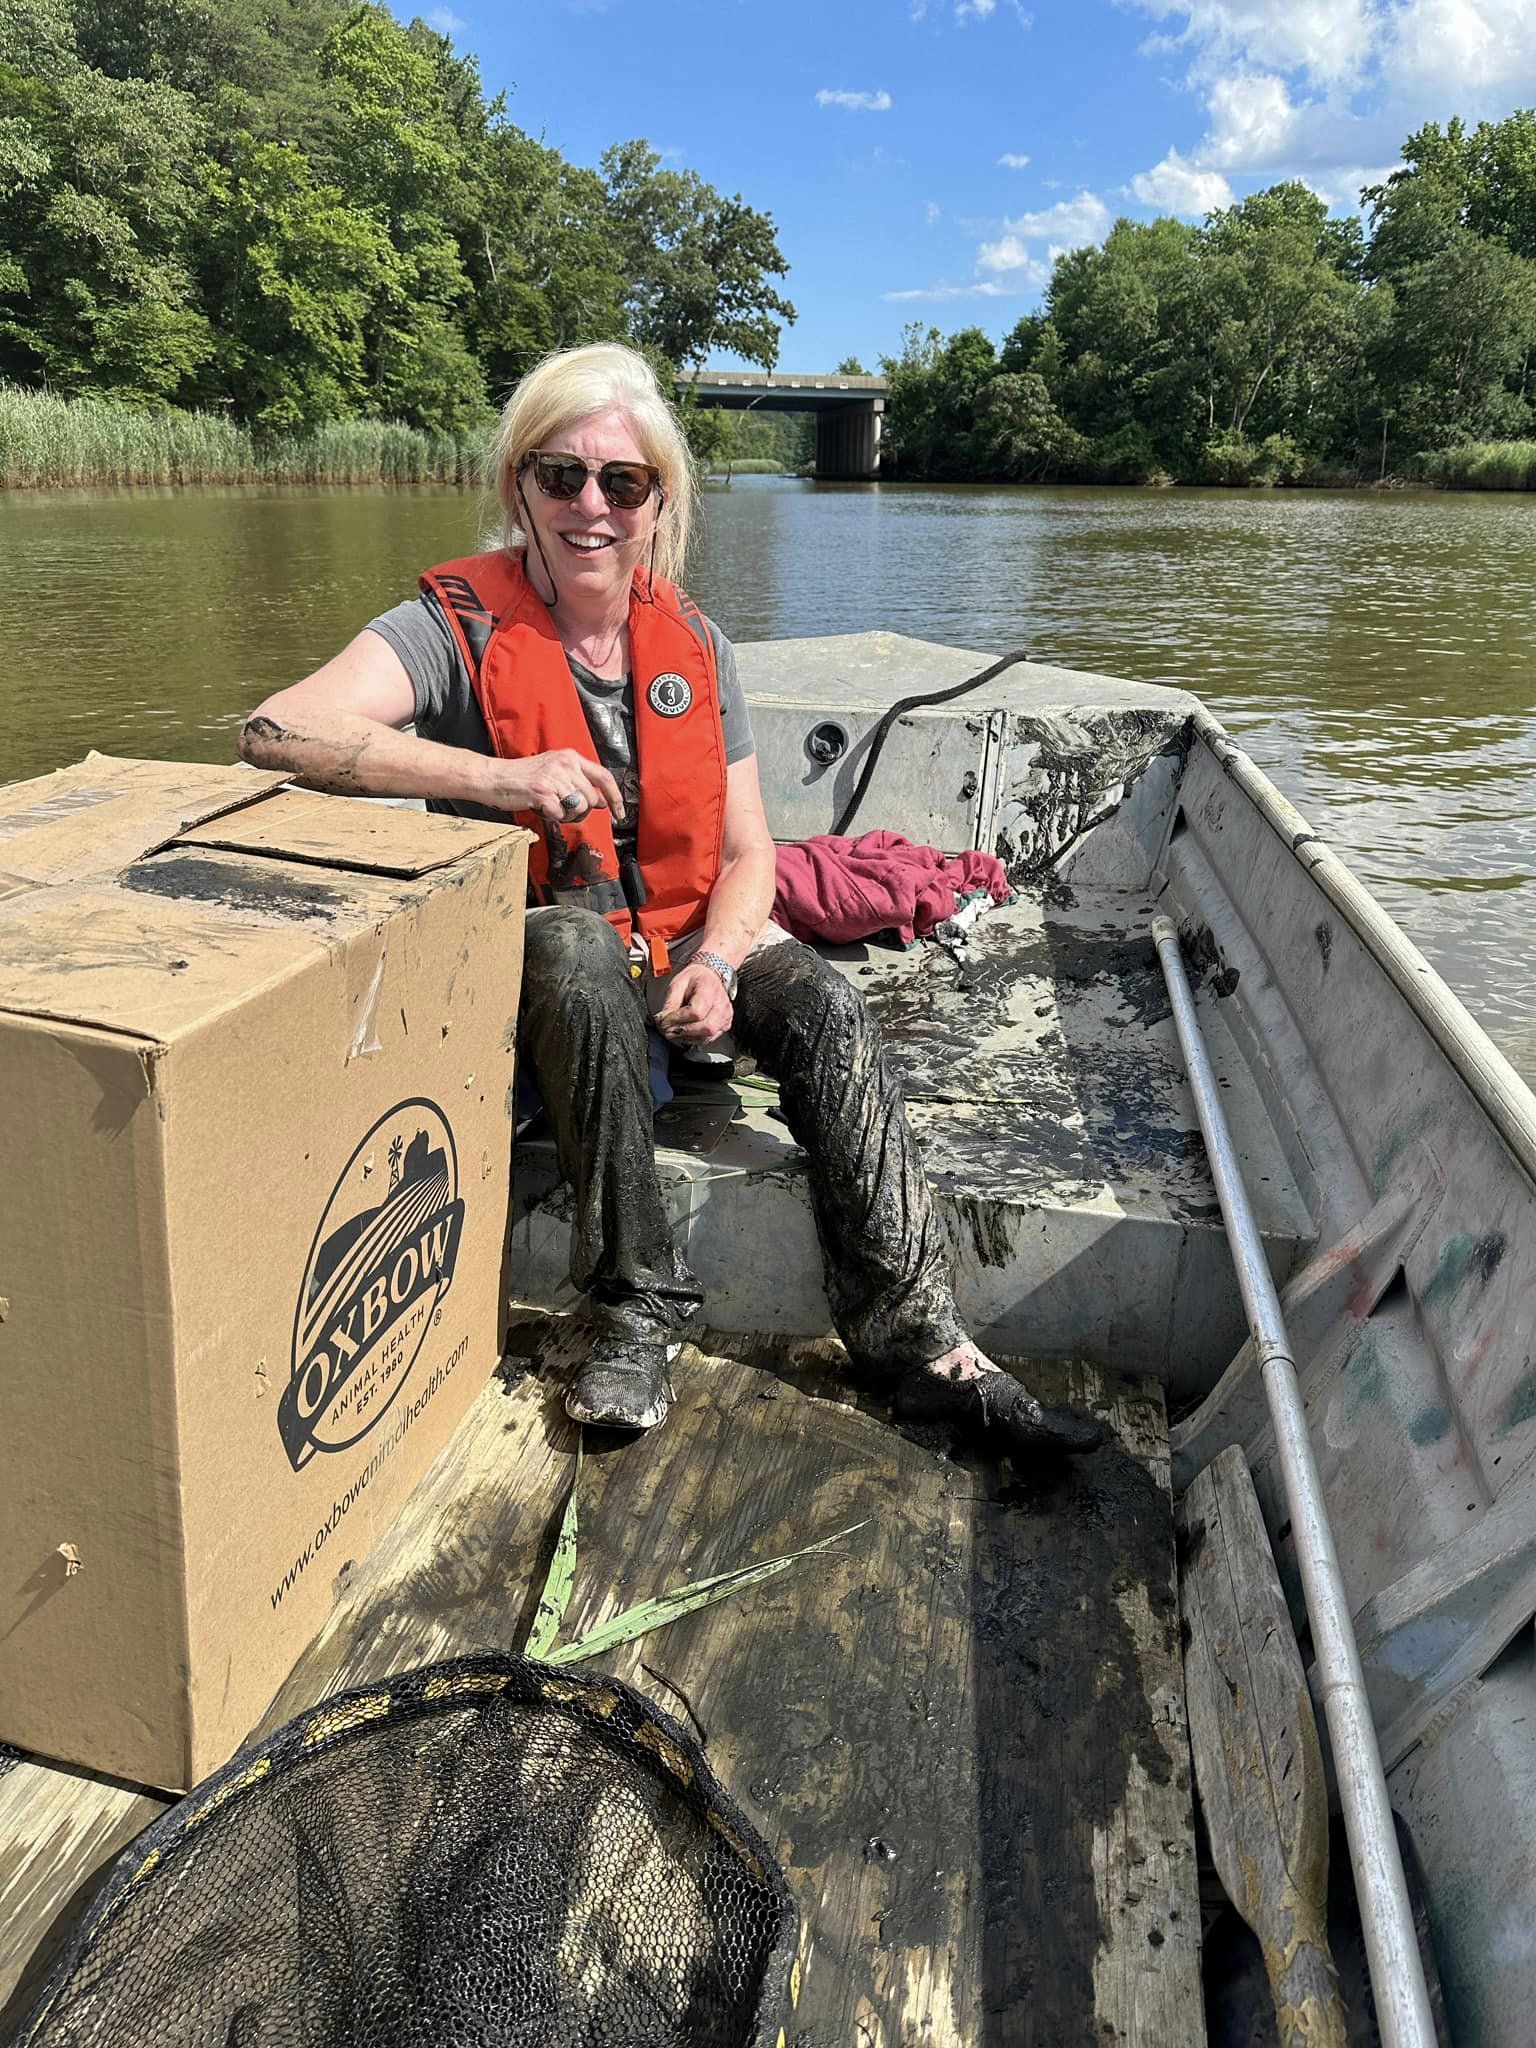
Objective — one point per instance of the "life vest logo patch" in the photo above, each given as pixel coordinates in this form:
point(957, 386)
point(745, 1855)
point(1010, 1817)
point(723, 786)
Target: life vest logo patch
point(670, 694)
point(381, 1260)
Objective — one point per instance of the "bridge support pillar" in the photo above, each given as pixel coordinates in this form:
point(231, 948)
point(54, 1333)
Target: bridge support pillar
point(848, 442)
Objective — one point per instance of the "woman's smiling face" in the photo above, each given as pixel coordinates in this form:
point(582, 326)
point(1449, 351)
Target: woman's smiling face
point(591, 547)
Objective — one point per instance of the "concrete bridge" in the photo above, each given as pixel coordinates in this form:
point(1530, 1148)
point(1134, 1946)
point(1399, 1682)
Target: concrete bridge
point(848, 411)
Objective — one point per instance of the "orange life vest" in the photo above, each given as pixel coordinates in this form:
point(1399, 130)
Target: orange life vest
point(529, 700)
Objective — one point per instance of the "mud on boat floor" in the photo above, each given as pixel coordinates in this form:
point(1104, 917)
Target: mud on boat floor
point(962, 1729)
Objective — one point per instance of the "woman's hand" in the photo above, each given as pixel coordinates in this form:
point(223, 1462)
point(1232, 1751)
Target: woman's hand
point(542, 782)
point(697, 1009)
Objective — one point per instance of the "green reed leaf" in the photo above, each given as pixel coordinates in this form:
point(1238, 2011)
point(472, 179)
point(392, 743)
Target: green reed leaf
point(646, 1615)
point(556, 1596)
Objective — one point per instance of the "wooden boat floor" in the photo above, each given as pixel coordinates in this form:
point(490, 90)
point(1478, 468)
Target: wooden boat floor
point(962, 1728)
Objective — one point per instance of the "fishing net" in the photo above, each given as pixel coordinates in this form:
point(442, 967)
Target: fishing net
point(486, 1851)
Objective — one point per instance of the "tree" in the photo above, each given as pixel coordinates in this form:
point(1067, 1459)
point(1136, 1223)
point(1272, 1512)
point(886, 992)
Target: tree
point(707, 430)
point(850, 366)
point(1121, 351)
point(542, 255)
point(697, 265)
point(1456, 363)
point(1019, 433)
point(1453, 236)
point(400, 155)
point(300, 210)
point(1280, 286)
point(1450, 180)
point(99, 181)
point(935, 392)
point(291, 274)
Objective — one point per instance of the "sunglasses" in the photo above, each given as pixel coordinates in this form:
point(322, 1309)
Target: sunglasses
point(626, 485)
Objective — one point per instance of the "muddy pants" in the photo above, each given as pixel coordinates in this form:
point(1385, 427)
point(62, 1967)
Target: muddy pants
point(583, 1033)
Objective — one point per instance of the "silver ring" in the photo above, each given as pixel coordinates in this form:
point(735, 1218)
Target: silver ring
point(573, 801)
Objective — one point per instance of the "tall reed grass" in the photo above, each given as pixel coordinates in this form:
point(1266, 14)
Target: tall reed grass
point(1484, 466)
point(47, 442)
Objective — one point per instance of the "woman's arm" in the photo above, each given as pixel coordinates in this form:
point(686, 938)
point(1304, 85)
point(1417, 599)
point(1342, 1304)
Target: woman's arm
point(697, 1008)
point(339, 730)
point(742, 896)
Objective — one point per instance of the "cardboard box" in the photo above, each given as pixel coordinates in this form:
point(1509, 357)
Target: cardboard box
point(256, 1069)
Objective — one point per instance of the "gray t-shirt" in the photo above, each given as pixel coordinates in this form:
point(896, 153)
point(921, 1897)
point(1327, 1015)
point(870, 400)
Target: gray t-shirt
point(447, 709)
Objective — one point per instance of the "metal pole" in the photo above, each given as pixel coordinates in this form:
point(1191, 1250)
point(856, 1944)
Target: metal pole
point(1397, 1974)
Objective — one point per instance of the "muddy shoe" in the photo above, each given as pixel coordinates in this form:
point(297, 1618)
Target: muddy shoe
point(997, 1410)
point(623, 1383)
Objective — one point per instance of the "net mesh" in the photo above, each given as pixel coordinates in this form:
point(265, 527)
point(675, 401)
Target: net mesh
point(482, 1852)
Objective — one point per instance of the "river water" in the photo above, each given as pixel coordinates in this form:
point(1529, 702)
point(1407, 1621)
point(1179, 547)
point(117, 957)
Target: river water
point(1373, 651)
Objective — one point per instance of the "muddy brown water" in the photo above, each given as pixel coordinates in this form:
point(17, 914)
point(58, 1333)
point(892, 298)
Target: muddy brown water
point(1373, 651)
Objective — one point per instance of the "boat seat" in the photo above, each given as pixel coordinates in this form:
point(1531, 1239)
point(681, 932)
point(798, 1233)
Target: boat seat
point(1045, 1084)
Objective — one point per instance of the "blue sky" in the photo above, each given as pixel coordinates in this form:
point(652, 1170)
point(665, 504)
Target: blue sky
point(923, 159)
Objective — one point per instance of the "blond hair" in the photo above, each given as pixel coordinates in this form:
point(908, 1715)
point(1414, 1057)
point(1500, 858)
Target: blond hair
point(568, 387)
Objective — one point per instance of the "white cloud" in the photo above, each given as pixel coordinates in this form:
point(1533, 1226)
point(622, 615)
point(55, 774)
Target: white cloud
point(1070, 222)
point(1329, 39)
point(985, 290)
point(967, 10)
point(856, 102)
point(1028, 269)
point(446, 22)
point(1177, 186)
point(932, 211)
point(1451, 48)
point(1326, 90)
point(1252, 119)
point(1007, 254)
point(1067, 225)
point(1012, 161)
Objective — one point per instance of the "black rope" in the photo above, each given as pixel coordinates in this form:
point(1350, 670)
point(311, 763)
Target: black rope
point(889, 718)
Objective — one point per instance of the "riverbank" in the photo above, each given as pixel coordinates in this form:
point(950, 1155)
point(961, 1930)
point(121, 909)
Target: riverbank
point(51, 443)
point(1484, 466)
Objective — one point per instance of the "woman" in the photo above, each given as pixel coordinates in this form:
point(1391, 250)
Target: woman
point(562, 680)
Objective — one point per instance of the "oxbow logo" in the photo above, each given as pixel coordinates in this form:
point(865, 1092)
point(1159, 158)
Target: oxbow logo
point(376, 1271)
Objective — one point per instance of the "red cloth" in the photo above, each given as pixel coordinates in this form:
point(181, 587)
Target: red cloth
point(840, 890)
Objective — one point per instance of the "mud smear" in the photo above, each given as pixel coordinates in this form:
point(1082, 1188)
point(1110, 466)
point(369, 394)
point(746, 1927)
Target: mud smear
point(1056, 1671)
point(884, 1250)
point(1050, 1070)
point(960, 1724)
point(582, 1034)
point(1084, 765)
point(1202, 957)
point(260, 891)
point(574, 864)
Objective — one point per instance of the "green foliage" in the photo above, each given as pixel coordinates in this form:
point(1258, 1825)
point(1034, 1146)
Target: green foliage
point(707, 430)
point(1484, 182)
point(935, 394)
point(1455, 362)
point(50, 441)
point(783, 440)
point(1019, 433)
point(1228, 459)
point(697, 264)
point(1485, 466)
point(1270, 345)
point(294, 212)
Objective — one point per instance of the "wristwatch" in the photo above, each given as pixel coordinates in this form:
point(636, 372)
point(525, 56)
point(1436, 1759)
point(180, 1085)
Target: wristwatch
point(723, 968)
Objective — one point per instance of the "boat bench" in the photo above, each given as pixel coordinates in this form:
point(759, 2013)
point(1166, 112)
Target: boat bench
point(1047, 1090)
